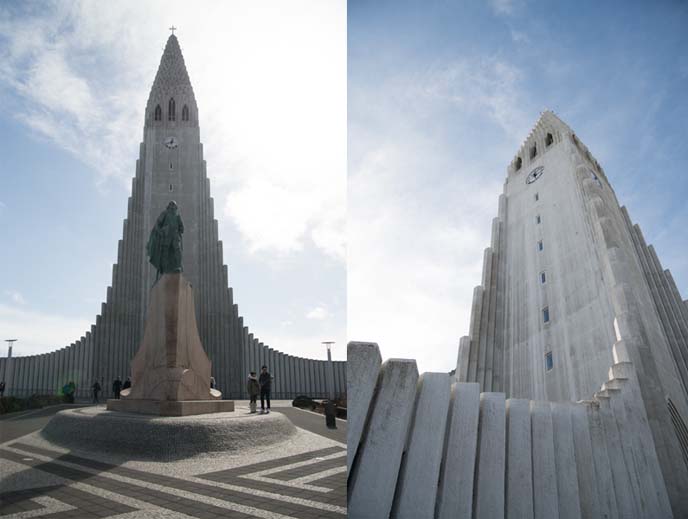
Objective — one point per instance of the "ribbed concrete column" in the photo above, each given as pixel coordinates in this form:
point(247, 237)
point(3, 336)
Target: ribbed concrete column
point(587, 478)
point(378, 464)
point(519, 463)
point(625, 499)
point(491, 459)
point(420, 469)
point(311, 377)
point(455, 489)
point(50, 370)
point(322, 388)
point(474, 333)
point(365, 362)
point(606, 496)
point(546, 499)
point(463, 359)
point(565, 461)
point(649, 470)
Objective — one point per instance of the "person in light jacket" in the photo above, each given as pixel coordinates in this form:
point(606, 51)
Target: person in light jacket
point(252, 388)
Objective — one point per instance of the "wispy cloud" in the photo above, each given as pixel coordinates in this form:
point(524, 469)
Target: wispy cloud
point(15, 297)
point(319, 313)
point(276, 155)
point(54, 329)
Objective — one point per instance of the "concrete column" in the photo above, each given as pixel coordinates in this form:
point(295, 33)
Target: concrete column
point(455, 496)
point(287, 386)
point(463, 359)
point(365, 361)
point(484, 317)
point(322, 387)
point(10, 380)
point(49, 370)
point(606, 497)
point(565, 461)
point(300, 376)
point(622, 486)
point(587, 478)
point(474, 333)
point(420, 468)
point(646, 461)
point(244, 362)
point(489, 481)
point(378, 464)
point(519, 463)
point(546, 498)
point(30, 374)
point(310, 375)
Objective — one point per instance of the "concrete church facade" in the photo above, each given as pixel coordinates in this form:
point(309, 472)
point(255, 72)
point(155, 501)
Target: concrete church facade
point(570, 392)
point(171, 167)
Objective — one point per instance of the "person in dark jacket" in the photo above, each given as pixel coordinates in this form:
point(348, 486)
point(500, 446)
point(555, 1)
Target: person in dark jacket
point(252, 388)
point(96, 389)
point(117, 387)
point(265, 382)
point(2, 389)
point(127, 383)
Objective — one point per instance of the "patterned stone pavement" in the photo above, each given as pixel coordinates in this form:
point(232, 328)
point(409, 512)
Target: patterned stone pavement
point(46, 481)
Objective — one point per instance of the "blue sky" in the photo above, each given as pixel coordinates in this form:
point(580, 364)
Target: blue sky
point(74, 79)
point(440, 97)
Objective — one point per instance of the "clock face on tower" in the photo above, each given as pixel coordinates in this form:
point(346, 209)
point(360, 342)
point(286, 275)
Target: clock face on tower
point(171, 142)
point(535, 174)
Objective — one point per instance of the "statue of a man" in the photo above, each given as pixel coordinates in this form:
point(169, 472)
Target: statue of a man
point(165, 242)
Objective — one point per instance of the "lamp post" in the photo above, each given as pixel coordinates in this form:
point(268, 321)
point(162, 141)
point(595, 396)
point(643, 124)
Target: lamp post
point(8, 362)
point(330, 377)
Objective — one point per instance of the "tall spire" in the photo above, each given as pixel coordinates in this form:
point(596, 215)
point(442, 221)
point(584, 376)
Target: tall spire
point(171, 81)
point(172, 72)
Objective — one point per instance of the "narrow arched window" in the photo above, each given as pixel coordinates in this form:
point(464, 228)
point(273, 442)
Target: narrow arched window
point(170, 110)
point(519, 162)
point(185, 113)
point(158, 113)
point(549, 139)
point(533, 151)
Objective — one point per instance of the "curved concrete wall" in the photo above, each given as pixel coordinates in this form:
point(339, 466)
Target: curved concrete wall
point(426, 446)
point(292, 376)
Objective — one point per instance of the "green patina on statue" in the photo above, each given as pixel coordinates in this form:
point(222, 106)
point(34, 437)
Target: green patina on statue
point(164, 246)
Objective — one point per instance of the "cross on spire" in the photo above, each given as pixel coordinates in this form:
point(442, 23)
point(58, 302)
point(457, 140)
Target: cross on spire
point(173, 28)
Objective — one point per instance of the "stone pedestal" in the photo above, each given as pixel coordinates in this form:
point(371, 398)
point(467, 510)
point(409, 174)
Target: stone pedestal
point(171, 407)
point(170, 374)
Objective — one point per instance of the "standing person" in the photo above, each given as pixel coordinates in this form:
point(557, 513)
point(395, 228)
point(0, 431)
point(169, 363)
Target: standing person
point(212, 383)
point(117, 387)
point(265, 382)
point(127, 383)
point(2, 389)
point(253, 388)
point(70, 391)
point(96, 389)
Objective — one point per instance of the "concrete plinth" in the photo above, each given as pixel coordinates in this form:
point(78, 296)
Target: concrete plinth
point(171, 407)
point(163, 438)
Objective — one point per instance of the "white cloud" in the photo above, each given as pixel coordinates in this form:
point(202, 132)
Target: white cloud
point(421, 202)
point(519, 37)
point(16, 297)
point(503, 7)
point(55, 331)
point(319, 313)
point(487, 86)
point(273, 116)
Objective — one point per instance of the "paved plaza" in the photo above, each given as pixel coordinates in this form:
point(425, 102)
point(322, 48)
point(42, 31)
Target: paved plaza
point(303, 477)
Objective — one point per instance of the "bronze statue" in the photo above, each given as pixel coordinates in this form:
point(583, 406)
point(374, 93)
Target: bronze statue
point(164, 246)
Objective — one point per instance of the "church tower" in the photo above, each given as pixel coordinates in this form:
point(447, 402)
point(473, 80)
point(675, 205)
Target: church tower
point(171, 167)
point(568, 276)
